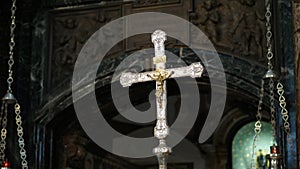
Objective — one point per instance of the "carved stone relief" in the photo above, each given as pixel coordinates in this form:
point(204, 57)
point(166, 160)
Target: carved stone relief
point(69, 33)
point(77, 154)
point(236, 27)
point(74, 151)
point(70, 28)
point(178, 8)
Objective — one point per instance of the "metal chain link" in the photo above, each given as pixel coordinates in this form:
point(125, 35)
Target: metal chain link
point(3, 134)
point(11, 45)
point(284, 111)
point(20, 135)
point(1, 112)
point(3, 131)
point(280, 90)
point(269, 56)
point(257, 125)
point(269, 34)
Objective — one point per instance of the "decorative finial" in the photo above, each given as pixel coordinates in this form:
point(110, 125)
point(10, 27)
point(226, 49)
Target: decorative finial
point(158, 37)
point(9, 98)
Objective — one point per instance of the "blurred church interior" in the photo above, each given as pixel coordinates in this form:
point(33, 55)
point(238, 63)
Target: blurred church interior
point(50, 34)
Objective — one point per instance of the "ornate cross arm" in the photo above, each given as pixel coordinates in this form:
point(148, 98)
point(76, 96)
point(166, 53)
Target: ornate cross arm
point(194, 70)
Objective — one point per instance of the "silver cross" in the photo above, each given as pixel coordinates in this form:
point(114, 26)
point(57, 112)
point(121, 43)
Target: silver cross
point(161, 130)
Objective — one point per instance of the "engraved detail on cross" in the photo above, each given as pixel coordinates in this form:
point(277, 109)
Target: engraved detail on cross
point(160, 74)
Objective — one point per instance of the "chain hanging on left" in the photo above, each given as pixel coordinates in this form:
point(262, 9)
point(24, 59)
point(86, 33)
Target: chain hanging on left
point(8, 100)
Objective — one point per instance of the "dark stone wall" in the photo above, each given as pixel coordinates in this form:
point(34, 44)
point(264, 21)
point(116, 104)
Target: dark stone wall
point(4, 18)
point(296, 15)
point(284, 47)
point(66, 35)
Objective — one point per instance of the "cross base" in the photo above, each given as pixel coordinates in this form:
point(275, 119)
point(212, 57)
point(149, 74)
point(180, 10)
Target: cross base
point(162, 152)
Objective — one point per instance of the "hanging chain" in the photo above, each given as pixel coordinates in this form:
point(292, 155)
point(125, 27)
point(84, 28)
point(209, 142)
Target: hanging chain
point(270, 75)
point(11, 45)
point(258, 125)
point(20, 132)
point(20, 135)
point(3, 131)
point(270, 66)
point(284, 111)
point(280, 89)
point(2, 146)
point(269, 34)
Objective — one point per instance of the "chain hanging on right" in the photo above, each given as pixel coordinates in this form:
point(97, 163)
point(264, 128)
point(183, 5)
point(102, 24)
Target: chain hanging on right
point(274, 158)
